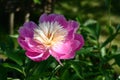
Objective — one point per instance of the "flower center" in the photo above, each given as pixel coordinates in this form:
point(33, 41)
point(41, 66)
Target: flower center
point(49, 33)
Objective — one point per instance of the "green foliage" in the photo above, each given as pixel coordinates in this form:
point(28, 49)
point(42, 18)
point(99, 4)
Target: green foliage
point(36, 1)
point(95, 61)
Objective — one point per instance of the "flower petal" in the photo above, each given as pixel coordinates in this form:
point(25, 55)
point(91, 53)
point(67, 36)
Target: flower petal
point(27, 29)
point(47, 18)
point(62, 48)
point(80, 41)
point(61, 20)
point(30, 45)
point(55, 55)
point(71, 28)
point(37, 56)
point(61, 51)
point(43, 18)
point(59, 56)
point(70, 36)
point(51, 17)
point(68, 56)
point(75, 44)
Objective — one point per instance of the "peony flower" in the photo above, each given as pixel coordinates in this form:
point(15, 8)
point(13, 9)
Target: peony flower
point(53, 36)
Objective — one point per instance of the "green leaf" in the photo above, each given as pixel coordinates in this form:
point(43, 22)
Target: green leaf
point(76, 67)
point(100, 77)
point(65, 75)
point(2, 47)
point(13, 66)
point(3, 73)
point(109, 39)
point(15, 56)
point(117, 59)
point(37, 70)
point(89, 22)
point(93, 29)
point(85, 50)
point(10, 43)
point(118, 28)
point(111, 29)
point(79, 19)
point(36, 1)
point(9, 50)
point(98, 30)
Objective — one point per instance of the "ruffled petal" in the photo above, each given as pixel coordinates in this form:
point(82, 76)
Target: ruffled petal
point(61, 51)
point(61, 20)
point(27, 29)
point(43, 18)
point(55, 55)
point(37, 56)
point(30, 45)
point(52, 17)
point(62, 48)
point(59, 56)
point(68, 56)
point(47, 18)
point(71, 28)
point(67, 50)
point(79, 40)
point(70, 36)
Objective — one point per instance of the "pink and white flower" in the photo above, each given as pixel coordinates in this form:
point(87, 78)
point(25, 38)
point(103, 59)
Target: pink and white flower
point(53, 36)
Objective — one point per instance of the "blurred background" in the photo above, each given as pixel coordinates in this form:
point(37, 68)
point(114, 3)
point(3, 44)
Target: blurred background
point(13, 13)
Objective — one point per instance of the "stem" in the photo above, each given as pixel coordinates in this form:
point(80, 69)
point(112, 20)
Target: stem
point(12, 15)
point(24, 72)
point(54, 71)
point(109, 20)
point(109, 13)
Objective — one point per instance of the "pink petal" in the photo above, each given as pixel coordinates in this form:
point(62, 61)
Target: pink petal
point(70, 36)
point(61, 20)
point(58, 56)
point(80, 41)
point(71, 28)
point(30, 25)
point(55, 55)
point(47, 18)
point(61, 51)
point(43, 18)
point(37, 56)
point(54, 18)
point(51, 17)
point(30, 45)
point(62, 48)
point(68, 56)
point(27, 29)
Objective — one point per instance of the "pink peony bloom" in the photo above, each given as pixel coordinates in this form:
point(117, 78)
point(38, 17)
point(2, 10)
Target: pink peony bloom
point(53, 36)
